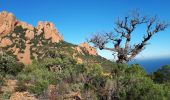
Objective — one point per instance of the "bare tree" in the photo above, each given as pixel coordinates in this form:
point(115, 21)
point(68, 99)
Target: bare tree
point(123, 32)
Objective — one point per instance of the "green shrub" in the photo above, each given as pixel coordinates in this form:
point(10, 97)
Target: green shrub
point(162, 75)
point(38, 77)
point(126, 82)
point(9, 65)
point(39, 87)
point(136, 69)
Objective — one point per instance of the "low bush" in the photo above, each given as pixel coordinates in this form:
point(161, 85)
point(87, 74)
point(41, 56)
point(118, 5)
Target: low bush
point(9, 65)
point(37, 77)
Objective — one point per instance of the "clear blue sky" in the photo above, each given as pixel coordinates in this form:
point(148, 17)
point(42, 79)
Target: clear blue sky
point(78, 19)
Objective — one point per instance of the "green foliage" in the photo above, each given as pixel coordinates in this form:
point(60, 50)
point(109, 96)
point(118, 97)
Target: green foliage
point(145, 89)
point(124, 83)
point(1, 81)
point(136, 70)
point(96, 79)
point(5, 96)
point(95, 70)
point(166, 88)
point(162, 75)
point(91, 59)
point(132, 83)
point(9, 65)
point(39, 87)
point(38, 76)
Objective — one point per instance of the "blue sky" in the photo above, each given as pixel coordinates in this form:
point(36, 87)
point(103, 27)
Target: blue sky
point(78, 19)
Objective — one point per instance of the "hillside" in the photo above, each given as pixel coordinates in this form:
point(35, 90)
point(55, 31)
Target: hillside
point(28, 42)
point(36, 63)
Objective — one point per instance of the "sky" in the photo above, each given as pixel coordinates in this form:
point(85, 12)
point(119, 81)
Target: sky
point(77, 20)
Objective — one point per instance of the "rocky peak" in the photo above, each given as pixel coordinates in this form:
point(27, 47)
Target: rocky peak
point(50, 31)
point(89, 49)
point(7, 23)
point(19, 37)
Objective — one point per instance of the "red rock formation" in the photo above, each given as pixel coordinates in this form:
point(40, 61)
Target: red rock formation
point(24, 25)
point(50, 31)
point(5, 42)
point(29, 35)
point(7, 23)
point(25, 57)
point(89, 49)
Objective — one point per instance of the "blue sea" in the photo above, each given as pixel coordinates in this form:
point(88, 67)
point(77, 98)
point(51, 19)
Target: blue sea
point(151, 65)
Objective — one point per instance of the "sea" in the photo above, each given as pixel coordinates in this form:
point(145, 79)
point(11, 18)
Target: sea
point(151, 65)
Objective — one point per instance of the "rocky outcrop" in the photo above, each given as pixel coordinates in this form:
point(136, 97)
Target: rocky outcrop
point(5, 42)
point(90, 50)
point(29, 34)
point(24, 25)
point(82, 49)
point(49, 30)
point(25, 57)
point(7, 23)
point(25, 36)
